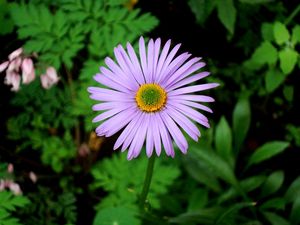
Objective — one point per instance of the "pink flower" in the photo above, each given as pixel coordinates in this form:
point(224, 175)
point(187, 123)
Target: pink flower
point(15, 188)
point(15, 64)
point(10, 168)
point(3, 66)
point(12, 78)
point(28, 73)
point(83, 150)
point(15, 54)
point(50, 78)
point(2, 185)
point(11, 185)
point(33, 177)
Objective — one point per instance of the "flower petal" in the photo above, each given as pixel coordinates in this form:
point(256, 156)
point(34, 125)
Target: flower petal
point(155, 58)
point(191, 113)
point(191, 89)
point(156, 135)
point(162, 59)
point(194, 105)
point(132, 133)
point(117, 122)
point(135, 71)
point(195, 98)
point(161, 75)
point(15, 54)
point(187, 80)
point(140, 77)
point(127, 130)
point(175, 132)
point(108, 114)
point(174, 65)
point(138, 141)
point(118, 79)
point(165, 136)
point(114, 84)
point(143, 58)
point(3, 66)
point(188, 68)
point(150, 138)
point(188, 126)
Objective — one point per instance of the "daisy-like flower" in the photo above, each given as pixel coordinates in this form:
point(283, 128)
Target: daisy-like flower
point(148, 96)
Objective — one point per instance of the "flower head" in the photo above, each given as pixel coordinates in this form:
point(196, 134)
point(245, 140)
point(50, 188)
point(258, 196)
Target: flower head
point(15, 54)
point(50, 78)
point(148, 96)
point(28, 73)
point(14, 79)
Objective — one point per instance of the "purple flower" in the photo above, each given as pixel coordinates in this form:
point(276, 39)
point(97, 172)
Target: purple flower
point(148, 96)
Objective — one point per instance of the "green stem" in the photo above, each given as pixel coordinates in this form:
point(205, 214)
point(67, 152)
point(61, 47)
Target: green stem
point(293, 14)
point(147, 182)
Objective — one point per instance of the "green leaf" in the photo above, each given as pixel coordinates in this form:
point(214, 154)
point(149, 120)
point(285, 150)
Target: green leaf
point(223, 140)
point(115, 216)
point(200, 172)
point(253, 2)
point(6, 23)
point(296, 34)
point(295, 212)
point(247, 185)
point(266, 53)
point(219, 166)
point(281, 33)
point(273, 183)
point(293, 191)
point(236, 207)
point(123, 181)
point(241, 122)
point(267, 32)
point(202, 9)
point(288, 59)
point(288, 92)
point(273, 79)
point(198, 199)
point(227, 14)
point(274, 203)
point(267, 151)
point(202, 216)
point(274, 219)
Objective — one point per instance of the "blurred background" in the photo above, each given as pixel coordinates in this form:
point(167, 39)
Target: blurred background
point(243, 170)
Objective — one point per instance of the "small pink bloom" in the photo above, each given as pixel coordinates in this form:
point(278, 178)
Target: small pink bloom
point(2, 185)
point(15, 64)
point(51, 72)
point(83, 150)
point(10, 168)
point(15, 54)
point(28, 73)
point(50, 78)
point(15, 188)
point(32, 177)
point(12, 78)
point(3, 66)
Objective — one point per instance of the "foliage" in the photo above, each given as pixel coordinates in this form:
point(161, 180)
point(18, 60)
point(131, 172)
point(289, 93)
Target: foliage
point(233, 191)
point(238, 172)
point(50, 208)
point(10, 203)
point(123, 181)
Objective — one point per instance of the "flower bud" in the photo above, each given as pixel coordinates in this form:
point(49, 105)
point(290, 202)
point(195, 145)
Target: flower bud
point(28, 73)
point(15, 54)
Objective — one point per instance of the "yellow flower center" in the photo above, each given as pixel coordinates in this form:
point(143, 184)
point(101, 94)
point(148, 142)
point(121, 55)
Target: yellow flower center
point(151, 97)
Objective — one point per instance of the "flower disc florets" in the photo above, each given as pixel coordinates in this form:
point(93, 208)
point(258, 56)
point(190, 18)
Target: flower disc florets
point(151, 97)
